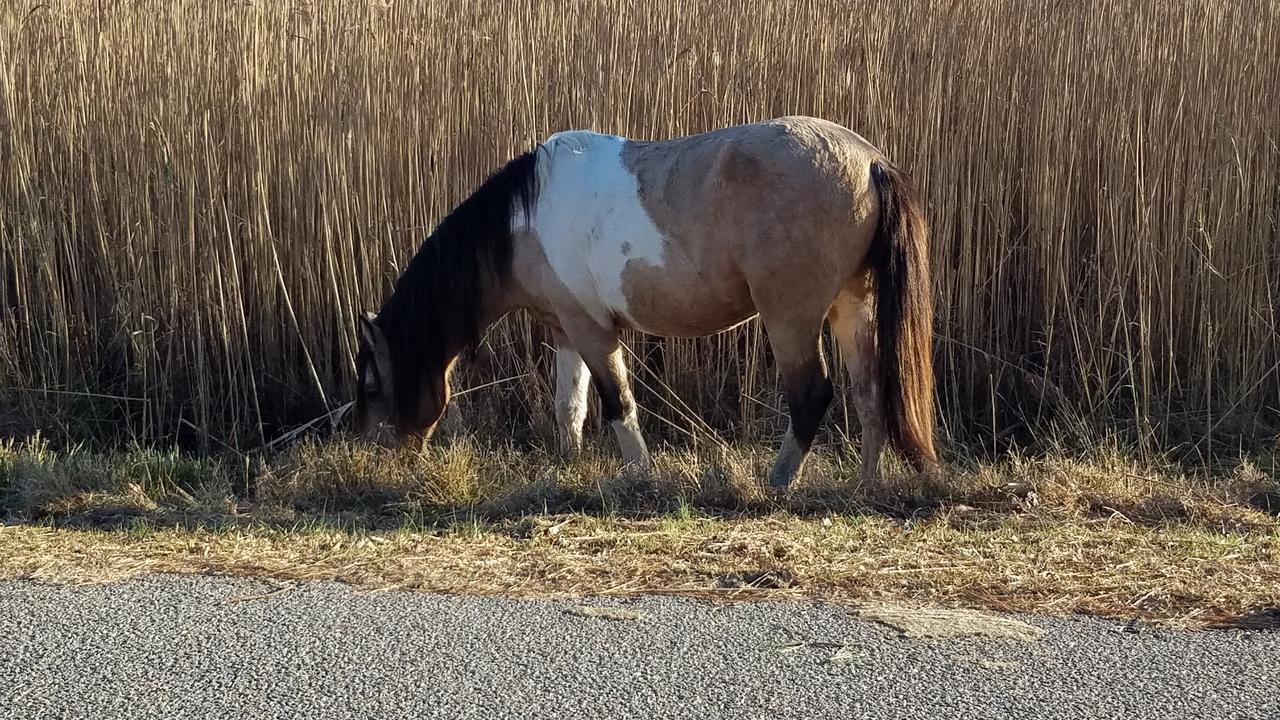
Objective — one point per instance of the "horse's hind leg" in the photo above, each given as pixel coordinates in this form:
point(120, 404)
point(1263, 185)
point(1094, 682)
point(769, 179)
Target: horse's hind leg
point(852, 323)
point(807, 387)
point(572, 381)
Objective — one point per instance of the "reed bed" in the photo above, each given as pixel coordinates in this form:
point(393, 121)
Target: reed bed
point(197, 198)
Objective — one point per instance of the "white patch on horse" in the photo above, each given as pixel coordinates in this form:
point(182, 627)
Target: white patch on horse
point(635, 453)
point(572, 381)
point(591, 222)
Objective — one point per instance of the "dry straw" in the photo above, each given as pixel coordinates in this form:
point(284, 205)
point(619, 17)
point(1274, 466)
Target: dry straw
point(196, 198)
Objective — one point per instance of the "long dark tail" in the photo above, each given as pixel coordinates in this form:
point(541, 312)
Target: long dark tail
point(899, 259)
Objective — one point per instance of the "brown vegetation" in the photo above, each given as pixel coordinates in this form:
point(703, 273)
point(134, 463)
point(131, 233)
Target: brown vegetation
point(196, 199)
point(1105, 537)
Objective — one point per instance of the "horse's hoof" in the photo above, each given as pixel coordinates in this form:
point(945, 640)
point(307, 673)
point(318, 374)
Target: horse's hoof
point(779, 482)
point(636, 470)
point(777, 497)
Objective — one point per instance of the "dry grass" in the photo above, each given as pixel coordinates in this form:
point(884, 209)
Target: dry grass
point(1053, 536)
point(196, 198)
point(1111, 568)
point(356, 485)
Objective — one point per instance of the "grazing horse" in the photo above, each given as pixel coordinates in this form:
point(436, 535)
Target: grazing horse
point(797, 220)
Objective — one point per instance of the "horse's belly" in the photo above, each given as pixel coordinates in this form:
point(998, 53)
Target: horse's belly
point(680, 302)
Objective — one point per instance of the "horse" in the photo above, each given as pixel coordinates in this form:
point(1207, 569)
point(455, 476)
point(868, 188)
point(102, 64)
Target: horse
point(796, 220)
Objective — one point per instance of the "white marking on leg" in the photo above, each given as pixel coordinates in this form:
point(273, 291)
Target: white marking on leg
point(591, 222)
point(572, 380)
point(790, 459)
point(630, 442)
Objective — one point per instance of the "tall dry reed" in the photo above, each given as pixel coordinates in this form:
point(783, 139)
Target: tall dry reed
point(196, 198)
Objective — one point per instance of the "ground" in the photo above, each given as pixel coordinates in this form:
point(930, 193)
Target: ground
point(1051, 536)
point(166, 646)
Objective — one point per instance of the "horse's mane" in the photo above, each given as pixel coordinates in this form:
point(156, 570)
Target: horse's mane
point(435, 308)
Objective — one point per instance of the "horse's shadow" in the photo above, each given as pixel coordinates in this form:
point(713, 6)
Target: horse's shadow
point(385, 508)
point(625, 498)
point(349, 498)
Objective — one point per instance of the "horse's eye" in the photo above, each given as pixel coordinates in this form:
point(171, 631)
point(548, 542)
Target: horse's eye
point(371, 392)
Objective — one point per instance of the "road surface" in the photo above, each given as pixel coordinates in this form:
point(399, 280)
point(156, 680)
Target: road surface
point(204, 647)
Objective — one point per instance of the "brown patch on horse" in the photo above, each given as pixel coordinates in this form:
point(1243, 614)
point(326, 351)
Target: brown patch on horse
point(766, 215)
point(739, 168)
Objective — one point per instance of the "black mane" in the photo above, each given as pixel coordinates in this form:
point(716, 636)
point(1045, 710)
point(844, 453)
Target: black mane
point(435, 309)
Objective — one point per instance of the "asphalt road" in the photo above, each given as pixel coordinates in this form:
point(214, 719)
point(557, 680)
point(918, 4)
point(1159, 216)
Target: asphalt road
point(201, 647)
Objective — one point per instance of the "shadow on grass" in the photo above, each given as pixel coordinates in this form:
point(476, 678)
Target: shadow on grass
point(457, 487)
point(523, 511)
point(1265, 619)
point(512, 511)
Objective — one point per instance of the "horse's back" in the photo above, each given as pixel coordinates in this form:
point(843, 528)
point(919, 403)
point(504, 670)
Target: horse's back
point(681, 236)
point(779, 203)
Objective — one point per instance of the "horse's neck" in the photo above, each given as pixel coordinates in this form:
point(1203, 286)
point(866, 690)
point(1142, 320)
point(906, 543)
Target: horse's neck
point(524, 287)
point(499, 296)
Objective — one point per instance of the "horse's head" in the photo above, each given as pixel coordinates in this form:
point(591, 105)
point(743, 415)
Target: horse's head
point(393, 403)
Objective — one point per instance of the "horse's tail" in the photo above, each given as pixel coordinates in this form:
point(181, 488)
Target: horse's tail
point(899, 259)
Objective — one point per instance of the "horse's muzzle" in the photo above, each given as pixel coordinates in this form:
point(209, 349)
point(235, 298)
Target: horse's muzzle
point(384, 434)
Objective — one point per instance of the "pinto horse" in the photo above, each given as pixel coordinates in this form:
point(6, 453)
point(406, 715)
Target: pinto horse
point(797, 220)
